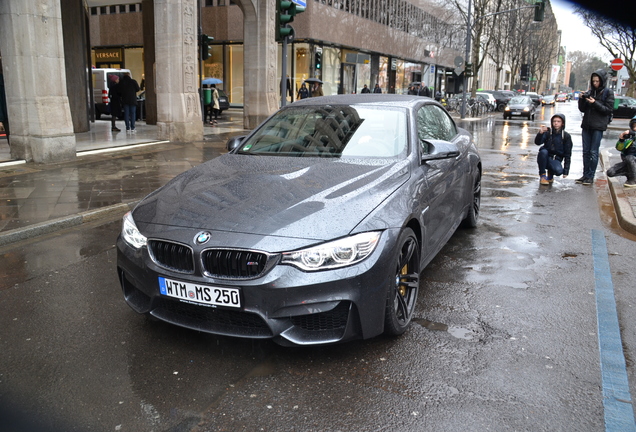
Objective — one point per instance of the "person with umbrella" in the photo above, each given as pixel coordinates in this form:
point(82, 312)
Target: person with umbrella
point(316, 87)
point(213, 106)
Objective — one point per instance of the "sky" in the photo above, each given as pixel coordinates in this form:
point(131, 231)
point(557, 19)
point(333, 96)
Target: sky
point(575, 36)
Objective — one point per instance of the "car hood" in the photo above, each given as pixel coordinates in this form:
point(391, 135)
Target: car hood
point(291, 197)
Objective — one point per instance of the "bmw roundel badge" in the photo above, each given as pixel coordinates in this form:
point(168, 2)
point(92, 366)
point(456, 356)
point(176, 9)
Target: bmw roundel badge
point(202, 238)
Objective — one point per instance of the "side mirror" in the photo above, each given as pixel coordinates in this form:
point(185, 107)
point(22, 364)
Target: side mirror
point(234, 143)
point(438, 149)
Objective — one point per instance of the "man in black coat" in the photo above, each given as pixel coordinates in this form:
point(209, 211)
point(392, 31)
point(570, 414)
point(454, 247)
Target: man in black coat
point(128, 89)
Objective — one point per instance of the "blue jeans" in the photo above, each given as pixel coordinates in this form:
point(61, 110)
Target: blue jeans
point(591, 144)
point(548, 163)
point(130, 114)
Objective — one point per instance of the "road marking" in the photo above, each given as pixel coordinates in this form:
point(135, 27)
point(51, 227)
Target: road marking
point(617, 401)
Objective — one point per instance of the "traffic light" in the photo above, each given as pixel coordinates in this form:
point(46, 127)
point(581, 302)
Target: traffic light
point(539, 10)
point(286, 10)
point(318, 60)
point(525, 71)
point(204, 46)
point(468, 69)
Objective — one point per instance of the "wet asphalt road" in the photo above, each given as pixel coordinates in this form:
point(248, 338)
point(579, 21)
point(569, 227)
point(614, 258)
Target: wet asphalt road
point(505, 336)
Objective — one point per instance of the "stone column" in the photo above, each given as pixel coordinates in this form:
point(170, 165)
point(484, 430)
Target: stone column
point(260, 55)
point(35, 81)
point(176, 63)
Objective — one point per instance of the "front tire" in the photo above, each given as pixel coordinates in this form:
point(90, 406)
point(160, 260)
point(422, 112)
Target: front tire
point(402, 295)
point(471, 219)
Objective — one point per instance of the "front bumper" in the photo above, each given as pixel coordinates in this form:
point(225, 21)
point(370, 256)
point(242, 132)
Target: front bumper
point(286, 304)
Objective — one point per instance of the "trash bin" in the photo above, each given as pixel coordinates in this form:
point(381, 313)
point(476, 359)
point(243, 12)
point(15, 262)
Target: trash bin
point(207, 96)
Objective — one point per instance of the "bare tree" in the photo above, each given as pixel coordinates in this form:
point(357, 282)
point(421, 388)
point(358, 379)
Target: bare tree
point(583, 64)
point(617, 38)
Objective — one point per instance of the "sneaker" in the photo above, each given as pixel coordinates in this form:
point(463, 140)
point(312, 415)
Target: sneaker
point(133, 131)
point(127, 130)
point(116, 129)
point(550, 178)
point(580, 180)
point(588, 181)
point(630, 184)
point(544, 180)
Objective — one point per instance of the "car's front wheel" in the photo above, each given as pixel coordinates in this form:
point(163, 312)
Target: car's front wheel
point(470, 221)
point(402, 295)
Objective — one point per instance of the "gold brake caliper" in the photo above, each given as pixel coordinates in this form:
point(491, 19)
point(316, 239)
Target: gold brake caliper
point(402, 287)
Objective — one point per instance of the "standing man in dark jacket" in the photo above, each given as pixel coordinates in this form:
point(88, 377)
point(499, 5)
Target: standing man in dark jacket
point(597, 105)
point(128, 89)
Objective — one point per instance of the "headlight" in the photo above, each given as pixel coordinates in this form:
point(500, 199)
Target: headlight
point(526, 109)
point(507, 108)
point(335, 254)
point(131, 234)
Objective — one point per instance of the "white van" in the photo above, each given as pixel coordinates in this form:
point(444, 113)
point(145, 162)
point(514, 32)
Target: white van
point(101, 84)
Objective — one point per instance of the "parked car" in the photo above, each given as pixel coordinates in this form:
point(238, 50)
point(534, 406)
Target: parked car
point(548, 100)
point(501, 97)
point(489, 98)
point(624, 107)
point(561, 97)
point(520, 106)
point(313, 229)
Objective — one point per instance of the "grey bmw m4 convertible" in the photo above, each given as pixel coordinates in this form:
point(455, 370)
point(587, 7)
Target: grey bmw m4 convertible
point(312, 229)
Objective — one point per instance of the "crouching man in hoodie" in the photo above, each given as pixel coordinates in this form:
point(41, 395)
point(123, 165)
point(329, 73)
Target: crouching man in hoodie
point(627, 166)
point(556, 148)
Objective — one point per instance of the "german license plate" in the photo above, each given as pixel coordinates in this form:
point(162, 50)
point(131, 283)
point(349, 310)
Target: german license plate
point(200, 294)
point(515, 113)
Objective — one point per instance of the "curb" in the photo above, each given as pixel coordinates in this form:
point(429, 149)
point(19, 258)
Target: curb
point(47, 227)
point(624, 212)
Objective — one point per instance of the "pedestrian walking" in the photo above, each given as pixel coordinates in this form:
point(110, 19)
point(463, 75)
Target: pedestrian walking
point(627, 166)
point(423, 91)
point(597, 105)
point(556, 148)
point(128, 88)
point(316, 90)
point(365, 89)
point(216, 107)
point(377, 89)
point(303, 92)
point(114, 96)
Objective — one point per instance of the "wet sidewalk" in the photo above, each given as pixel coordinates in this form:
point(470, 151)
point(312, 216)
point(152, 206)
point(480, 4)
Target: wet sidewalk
point(113, 171)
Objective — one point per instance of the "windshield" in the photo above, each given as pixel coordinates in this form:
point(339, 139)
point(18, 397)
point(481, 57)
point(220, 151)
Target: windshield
point(331, 131)
point(520, 100)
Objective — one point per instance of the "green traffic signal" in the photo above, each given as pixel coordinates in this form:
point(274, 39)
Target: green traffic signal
point(285, 12)
point(205, 42)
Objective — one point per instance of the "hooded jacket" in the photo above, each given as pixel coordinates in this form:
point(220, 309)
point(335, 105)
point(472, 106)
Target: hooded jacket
point(558, 143)
point(596, 116)
point(631, 149)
